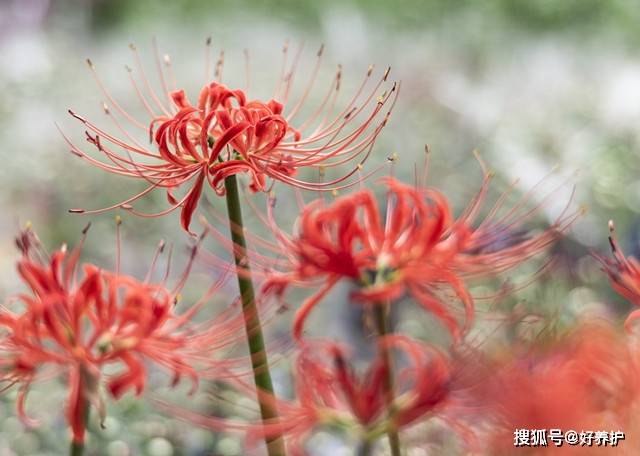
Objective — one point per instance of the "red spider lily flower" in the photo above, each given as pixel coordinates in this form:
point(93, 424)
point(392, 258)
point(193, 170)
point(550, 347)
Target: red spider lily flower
point(225, 133)
point(624, 275)
point(584, 380)
point(419, 248)
point(75, 323)
point(329, 393)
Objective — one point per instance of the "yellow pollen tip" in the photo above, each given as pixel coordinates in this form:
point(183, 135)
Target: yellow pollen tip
point(334, 192)
point(612, 227)
point(28, 225)
point(118, 220)
point(126, 343)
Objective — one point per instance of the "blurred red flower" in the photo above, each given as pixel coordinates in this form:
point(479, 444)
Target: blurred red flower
point(75, 323)
point(330, 393)
point(584, 380)
point(418, 248)
point(624, 275)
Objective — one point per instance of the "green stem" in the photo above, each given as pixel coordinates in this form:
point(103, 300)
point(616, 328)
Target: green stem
point(365, 448)
point(259, 361)
point(380, 311)
point(77, 449)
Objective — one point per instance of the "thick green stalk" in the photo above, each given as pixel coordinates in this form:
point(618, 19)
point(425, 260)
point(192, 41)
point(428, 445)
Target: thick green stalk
point(259, 361)
point(380, 311)
point(365, 448)
point(77, 448)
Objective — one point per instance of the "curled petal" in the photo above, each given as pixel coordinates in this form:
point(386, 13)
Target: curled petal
point(307, 307)
point(630, 321)
point(20, 405)
point(191, 203)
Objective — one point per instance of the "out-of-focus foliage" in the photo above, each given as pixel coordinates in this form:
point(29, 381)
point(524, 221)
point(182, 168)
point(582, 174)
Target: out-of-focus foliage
point(573, 16)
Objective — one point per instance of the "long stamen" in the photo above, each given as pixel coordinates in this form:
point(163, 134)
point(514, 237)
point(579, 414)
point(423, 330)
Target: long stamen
point(307, 90)
point(119, 126)
point(118, 244)
point(121, 205)
point(217, 75)
point(291, 74)
point(163, 82)
point(139, 94)
point(145, 80)
point(167, 63)
point(207, 59)
point(281, 78)
point(154, 261)
point(112, 100)
point(425, 168)
point(247, 71)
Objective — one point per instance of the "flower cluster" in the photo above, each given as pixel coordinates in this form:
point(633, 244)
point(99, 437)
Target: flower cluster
point(417, 248)
point(331, 395)
point(83, 322)
point(76, 319)
point(225, 134)
point(330, 392)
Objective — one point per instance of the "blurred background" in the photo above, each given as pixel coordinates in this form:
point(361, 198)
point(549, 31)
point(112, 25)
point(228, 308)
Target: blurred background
point(533, 85)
